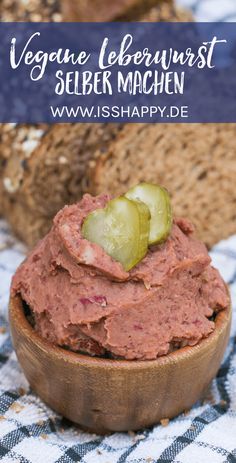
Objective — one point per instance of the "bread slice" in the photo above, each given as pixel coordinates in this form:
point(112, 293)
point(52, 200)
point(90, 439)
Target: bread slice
point(107, 10)
point(30, 10)
point(167, 12)
point(195, 162)
point(92, 10)
point(45, 168)
point(17, 143)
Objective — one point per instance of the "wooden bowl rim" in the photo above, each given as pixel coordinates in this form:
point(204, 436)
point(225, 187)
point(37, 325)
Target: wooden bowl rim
point(223, 318)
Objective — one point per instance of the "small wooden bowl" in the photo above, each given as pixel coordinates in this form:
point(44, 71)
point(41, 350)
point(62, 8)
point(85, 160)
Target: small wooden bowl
point(105, 395)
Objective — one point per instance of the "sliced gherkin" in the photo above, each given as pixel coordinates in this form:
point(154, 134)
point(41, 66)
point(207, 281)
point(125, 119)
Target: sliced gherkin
point(158, 201)
point(121, 229)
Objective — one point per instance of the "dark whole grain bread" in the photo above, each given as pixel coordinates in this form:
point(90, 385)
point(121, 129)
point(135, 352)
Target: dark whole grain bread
point(107, 10)
point(44, 167)
point(167, 11)
point(30, 10)
point(125, 10)
point(195, 162)
point(93, 10)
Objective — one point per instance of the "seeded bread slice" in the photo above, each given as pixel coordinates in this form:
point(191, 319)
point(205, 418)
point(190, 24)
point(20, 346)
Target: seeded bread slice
point(107, 10)
point(30, 10)
point(93, 10)
point(124, 10)
point(43, 168)
point(50, 10)
point(196, 162)
point(167, 12)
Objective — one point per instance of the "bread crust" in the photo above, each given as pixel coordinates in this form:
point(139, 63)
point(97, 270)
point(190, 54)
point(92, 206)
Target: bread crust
point(36, 183)
point(106, 10)
point(195, 162)
point(33, 10)
point(43, 167)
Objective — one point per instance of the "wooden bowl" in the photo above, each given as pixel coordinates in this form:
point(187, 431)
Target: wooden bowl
point(103, 395)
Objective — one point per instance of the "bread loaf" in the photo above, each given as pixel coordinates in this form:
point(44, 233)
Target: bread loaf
point(124, 10)
point(44, 167)
point(167, 11)
point(92, 10)
point(196, 162)
point(106, 10)
point(31, 10)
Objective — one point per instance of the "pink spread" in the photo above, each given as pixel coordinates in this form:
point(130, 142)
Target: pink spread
point(83, 300)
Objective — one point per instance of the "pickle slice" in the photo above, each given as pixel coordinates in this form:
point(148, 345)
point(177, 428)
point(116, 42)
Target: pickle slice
point(158, 201)
point(121, 229)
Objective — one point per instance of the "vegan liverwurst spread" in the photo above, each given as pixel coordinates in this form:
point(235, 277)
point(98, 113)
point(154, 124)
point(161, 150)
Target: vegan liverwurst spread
point(82, 299)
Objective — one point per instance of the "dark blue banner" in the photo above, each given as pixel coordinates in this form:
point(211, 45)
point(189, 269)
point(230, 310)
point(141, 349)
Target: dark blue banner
point(117, 72)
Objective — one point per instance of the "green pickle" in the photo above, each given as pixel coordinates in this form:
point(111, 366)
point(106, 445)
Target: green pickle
point(122, 229)
point(158, 201)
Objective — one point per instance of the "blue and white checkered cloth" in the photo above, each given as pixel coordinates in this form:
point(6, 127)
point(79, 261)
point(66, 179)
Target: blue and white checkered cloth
point(32, 433)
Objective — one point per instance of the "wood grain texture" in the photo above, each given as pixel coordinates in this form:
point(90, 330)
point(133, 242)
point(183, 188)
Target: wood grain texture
point(105, 395)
